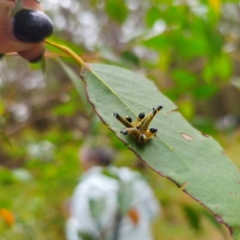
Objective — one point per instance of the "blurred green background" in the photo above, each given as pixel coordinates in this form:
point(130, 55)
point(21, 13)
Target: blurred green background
point(189, 48)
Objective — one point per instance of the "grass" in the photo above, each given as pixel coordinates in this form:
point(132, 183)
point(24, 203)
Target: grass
point(38, 204)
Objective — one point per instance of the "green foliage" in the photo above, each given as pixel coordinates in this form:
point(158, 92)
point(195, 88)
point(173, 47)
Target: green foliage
point(5, 138)
point(76, 80)
point(86, 236)
point(152, 15)
point(117, 10)
point(192, 216)
point(189, 50)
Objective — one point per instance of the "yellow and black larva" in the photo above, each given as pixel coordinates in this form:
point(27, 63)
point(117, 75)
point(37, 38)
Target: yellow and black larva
point(139, 128)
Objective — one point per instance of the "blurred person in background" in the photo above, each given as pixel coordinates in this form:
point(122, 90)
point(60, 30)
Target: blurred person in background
point(110, 203)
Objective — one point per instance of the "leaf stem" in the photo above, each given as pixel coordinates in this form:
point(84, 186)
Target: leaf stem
point(69, 52)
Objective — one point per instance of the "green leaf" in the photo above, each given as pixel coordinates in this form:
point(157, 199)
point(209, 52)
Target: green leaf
point(78, 83)
point(5, 138)
point(65, 109)
point(152, 15)
point(223, 67)
point(6, 176)
point(191, 46)
point(208, 73)
point(193, 161)
point(205, 91)
point(117, 10)
point(186, 107)
point(17, 8)
point(183, 78)
point(158, 43)
point(2, 110)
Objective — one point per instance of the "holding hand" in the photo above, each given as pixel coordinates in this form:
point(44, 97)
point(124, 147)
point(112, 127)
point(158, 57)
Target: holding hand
point(25, 32)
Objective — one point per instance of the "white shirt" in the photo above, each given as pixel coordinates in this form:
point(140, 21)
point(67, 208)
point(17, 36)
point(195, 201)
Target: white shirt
point(124, 190)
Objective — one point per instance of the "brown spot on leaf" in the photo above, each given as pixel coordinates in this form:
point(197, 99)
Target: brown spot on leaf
point(161, 174)
point(183, 186)
point(186, 137)
point(205, 135)
point(224, 154)
point(219, 219)
point(197, 200)
point(167, 113)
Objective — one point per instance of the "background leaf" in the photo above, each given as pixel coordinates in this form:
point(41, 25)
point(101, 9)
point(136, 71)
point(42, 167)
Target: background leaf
point(77, 82)
point(117, 10)
point(17, 8)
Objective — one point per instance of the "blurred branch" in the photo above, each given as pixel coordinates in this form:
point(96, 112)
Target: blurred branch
point(16, 128)
point(86, 57)
point(69, 52)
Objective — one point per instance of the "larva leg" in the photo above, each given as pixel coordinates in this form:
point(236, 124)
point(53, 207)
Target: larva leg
point(131, 131)
point(140, 117)
point(129, 119)
point(149, 118)
point(123, 120)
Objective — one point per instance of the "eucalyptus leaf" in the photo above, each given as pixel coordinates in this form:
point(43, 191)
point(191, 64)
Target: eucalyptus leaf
point(193, 161)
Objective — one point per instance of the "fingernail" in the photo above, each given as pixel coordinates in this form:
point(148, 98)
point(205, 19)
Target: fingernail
point(31, 26)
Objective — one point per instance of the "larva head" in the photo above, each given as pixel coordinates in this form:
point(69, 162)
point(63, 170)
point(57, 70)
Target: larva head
point(128, 119)
point(124, 132)
point(143, 139)
point(153, 130)
point(141, 115)
point(116, 115)
point(156, 110)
